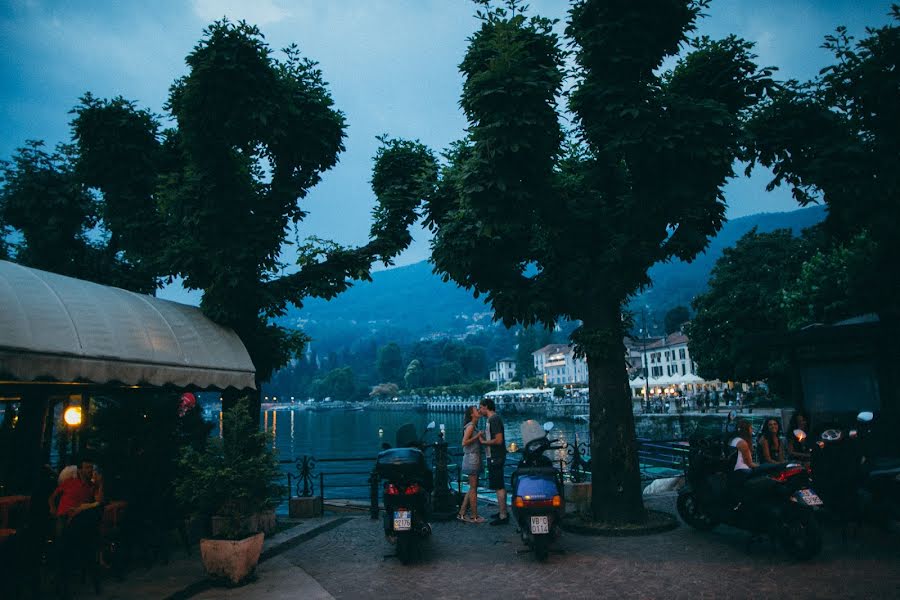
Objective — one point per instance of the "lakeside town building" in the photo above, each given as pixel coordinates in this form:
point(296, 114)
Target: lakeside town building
point(669, 367)
point(504, 371)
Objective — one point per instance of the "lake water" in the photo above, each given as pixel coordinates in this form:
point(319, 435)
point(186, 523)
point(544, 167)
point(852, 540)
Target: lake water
point(342, 434)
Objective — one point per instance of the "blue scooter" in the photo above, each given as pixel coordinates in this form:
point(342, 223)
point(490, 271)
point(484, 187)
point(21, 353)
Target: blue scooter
point(538, 503)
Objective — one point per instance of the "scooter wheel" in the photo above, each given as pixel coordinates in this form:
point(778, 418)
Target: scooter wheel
point(541, 547)
point(691, 513)
point(801, 535)
point(405, 548)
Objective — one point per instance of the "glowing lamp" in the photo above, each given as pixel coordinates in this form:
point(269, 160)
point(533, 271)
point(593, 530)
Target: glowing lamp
point(72, 416)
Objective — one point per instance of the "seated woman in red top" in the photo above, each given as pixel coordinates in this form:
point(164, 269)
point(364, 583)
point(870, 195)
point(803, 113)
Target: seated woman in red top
point(75, 494)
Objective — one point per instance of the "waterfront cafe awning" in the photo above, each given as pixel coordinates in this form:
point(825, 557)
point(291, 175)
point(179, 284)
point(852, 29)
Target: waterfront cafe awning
point(60, 329)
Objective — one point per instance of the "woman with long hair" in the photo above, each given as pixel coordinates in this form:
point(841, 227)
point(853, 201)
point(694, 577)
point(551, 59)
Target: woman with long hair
point(471, 465)
point(771, 449)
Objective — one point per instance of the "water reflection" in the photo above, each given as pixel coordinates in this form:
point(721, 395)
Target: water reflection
point(337, 433)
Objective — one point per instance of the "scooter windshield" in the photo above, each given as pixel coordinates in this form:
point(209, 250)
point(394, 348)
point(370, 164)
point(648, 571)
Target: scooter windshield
point(532, 430)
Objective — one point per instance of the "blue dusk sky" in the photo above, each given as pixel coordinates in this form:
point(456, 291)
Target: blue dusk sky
point(391, 66)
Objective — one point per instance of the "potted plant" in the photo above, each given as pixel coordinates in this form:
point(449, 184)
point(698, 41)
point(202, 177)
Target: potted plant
point(232, 480)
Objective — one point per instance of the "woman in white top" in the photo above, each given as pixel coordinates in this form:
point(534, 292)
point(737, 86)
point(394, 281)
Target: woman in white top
point(741, 441)
point(744, 465)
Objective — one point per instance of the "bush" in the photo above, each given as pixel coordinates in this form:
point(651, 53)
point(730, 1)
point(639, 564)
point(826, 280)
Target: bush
point(234, 477)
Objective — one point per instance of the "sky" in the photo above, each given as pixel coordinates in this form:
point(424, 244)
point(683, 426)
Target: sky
point(391, 66)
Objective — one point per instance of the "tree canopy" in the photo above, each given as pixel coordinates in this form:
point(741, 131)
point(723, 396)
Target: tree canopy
point(209, 191)
point(745, 296)
point(551, 226)
point(836, 138)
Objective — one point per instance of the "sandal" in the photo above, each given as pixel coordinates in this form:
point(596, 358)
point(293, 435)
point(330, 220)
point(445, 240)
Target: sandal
point(463, 518)
point(477, 520)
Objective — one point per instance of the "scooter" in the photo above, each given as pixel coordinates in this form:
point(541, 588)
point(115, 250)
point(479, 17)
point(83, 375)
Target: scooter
point(407, 484)
point(854, 484)
point(538, 503)
point(782, 505)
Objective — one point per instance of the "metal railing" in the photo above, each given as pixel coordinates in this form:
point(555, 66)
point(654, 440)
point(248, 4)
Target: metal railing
point(353, 477)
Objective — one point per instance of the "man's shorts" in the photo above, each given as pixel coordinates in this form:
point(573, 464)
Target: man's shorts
point(495, 475)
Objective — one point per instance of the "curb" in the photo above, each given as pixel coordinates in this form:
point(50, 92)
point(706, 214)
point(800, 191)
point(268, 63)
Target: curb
point(572, 524)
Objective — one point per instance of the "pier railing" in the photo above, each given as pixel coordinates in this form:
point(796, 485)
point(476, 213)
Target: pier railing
point(353, 477)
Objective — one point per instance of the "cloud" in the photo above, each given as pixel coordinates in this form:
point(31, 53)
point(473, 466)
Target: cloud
point(259, 12)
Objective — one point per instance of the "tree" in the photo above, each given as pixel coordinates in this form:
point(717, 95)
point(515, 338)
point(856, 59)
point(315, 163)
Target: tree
point(837, 138)
point(744, 297)
point(211, 199)
point(550, 230)
point(390, 363)
point(527, 343)
point(414, 376)
point(833, 284)
point(675, 318)
point(384, 390)
point(44, 201)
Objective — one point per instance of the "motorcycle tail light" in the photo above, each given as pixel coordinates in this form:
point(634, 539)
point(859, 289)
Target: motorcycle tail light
point(391, 490)
point(412, 489)
point(788, 473)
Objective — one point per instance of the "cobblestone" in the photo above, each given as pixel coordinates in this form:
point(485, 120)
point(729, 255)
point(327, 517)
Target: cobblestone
point(466, 560)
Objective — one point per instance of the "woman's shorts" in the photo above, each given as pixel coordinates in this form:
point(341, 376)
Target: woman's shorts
point(471, 466)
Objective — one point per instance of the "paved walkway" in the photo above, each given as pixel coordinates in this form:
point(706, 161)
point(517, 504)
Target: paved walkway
point(342, 556)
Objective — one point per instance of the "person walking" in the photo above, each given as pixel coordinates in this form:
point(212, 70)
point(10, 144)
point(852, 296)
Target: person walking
point(471, 465)
point(495, 449)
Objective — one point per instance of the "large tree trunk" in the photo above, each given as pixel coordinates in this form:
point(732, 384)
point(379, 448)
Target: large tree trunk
point(615, 470)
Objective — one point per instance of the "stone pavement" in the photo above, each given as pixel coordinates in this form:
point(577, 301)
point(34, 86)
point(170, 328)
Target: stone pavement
point(342, 556)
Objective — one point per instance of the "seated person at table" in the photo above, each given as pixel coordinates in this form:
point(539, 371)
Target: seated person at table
point(77, 493)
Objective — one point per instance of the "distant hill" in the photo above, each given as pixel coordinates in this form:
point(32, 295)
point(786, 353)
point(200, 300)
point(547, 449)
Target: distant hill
point(408, 303)
point(677, 282)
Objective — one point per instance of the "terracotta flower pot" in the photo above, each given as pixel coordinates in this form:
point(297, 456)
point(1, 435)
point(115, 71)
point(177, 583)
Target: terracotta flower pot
point(231, 559)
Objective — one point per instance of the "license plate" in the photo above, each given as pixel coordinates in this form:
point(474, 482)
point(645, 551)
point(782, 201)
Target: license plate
point(540, 525)
point(402, 520)
point(809, 498)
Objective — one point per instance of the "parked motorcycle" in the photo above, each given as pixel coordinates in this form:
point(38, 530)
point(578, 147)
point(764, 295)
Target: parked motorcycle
point(407, 484)
point(855, 484)
point(781, 506)
point(538, 503)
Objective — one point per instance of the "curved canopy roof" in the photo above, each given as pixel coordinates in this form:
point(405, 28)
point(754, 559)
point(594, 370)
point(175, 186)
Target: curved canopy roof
point(56, 328)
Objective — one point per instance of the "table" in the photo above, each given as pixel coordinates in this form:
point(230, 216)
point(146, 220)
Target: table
point(15, 506)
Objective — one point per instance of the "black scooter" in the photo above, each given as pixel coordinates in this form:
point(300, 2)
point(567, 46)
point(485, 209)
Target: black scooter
point(407, 485)
point(855, 484)
point(538, 503)
point(782, 504)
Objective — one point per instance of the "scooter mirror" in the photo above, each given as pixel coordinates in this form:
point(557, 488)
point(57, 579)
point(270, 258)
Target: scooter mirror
point(799, 435)
point(548, 426)
point(430, 426)
point(865, 417)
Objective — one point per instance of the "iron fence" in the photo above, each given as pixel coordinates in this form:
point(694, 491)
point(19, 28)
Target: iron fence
point(353, 477)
